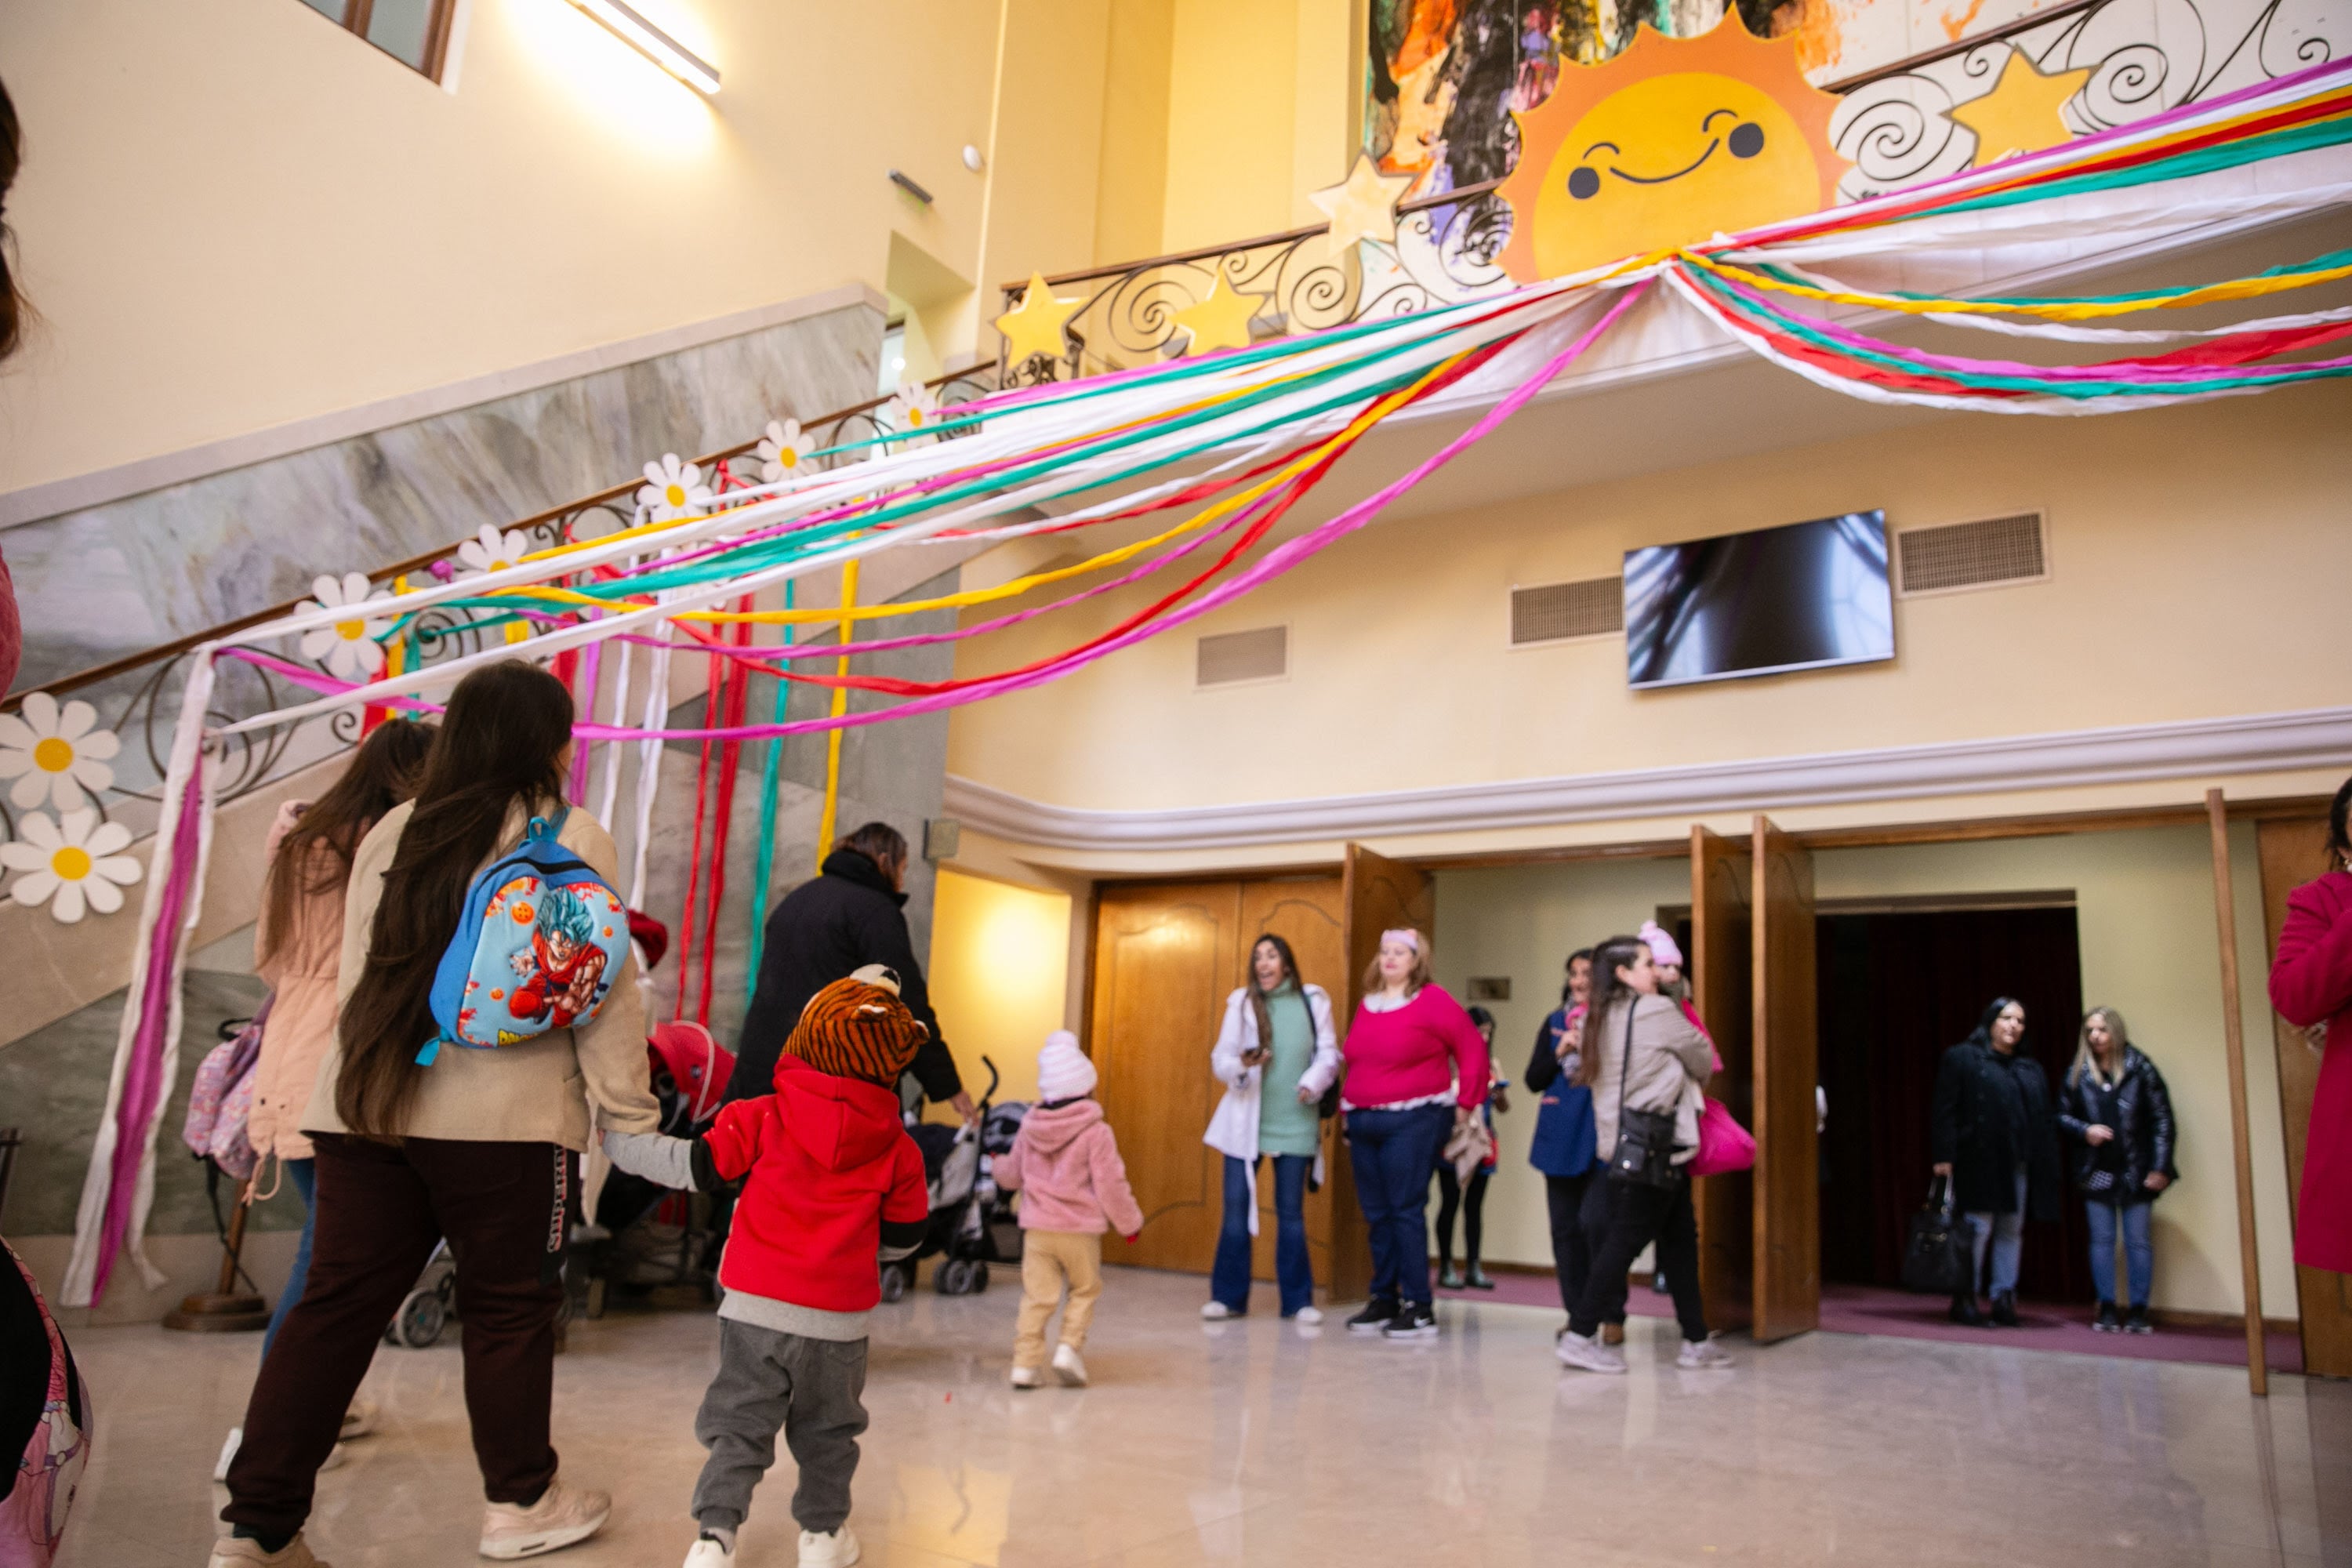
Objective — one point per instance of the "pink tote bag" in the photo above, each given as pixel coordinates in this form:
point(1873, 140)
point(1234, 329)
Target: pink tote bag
point(1724, 1145)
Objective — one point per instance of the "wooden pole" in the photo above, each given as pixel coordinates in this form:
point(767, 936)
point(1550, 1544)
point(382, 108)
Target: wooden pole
point(2233, 1036)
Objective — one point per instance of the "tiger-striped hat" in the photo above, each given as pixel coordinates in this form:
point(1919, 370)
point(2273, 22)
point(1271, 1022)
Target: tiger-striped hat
point(858, 1028)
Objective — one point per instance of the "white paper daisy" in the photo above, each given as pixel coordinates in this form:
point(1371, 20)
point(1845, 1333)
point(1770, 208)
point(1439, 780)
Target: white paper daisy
point(73, 864)
point(915, 408)
point(782, 451)
point(54, 753)
point(348, 648)
point(673, 488)
point(493, 551)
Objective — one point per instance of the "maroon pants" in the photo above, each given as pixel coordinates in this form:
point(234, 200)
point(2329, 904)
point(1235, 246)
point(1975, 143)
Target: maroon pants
point(505, 1209)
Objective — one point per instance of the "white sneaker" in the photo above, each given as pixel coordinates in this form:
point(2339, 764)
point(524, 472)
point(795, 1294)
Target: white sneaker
point(1310, 1316)
point(359, 1419)
point(1590, 1354)
point(227, 1454)
point(835, 1549)
point(1703, 1355)
point(560, 1517)
point(707, 1553)
point(1027, 1377)
point(1069, 1366)
point(1215, 1310)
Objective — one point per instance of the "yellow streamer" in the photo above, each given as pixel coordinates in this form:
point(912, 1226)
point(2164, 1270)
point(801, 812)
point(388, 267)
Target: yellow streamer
point(825, 824)
point(2062, 311)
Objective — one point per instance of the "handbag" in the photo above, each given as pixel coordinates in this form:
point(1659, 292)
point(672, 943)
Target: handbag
point(1724, 1145)
point(1939, 1256)
point(1644, 1156)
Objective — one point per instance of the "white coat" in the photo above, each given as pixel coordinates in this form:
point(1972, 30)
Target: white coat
point(1232, 1131)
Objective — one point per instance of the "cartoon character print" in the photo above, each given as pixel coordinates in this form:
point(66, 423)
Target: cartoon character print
point(561, 973)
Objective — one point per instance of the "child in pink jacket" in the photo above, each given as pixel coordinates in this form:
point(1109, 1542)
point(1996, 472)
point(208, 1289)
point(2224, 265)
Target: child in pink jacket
point(1064, 1164)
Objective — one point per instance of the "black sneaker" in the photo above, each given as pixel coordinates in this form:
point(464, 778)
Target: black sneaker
point(2004, 1309)
point(1414, 1321)
point(2108, 1323)
point(1378, 1313)
point(2135, 1322)
point(1964, 1313)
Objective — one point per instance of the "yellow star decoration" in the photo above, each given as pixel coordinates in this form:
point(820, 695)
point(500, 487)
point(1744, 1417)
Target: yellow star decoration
point(1034, 326)
point(1220, 321)
point(2021, 114)
point(1363, 205)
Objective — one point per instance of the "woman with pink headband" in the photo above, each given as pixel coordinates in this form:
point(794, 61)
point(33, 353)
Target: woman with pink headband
point(1416, 1070)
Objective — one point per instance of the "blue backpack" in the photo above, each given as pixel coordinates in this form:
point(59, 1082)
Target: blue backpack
point(539, 945)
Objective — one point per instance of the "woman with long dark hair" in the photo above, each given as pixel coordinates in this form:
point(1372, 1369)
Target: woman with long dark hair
point(1994, 1137)
point(479, 1146)
point(1641, 1056)
point(2311, 985)
point(298, 947)
point(1562, 1146)
point(1276, 1054)
point(2114, 1104)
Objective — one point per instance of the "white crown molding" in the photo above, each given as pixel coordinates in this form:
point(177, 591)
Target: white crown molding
point(35, 502)
point(2251, 743)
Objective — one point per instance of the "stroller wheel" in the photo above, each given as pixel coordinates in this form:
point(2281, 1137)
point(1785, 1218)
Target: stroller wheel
point(954, 1278)
point(894, 1283)
point(978, 1278)
point(420, 1319)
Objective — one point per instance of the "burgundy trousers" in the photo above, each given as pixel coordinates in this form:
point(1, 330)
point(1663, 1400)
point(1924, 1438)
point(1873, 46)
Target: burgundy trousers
point(506, 1210)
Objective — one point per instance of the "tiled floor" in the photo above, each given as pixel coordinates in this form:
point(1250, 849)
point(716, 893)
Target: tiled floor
point(1255, 1442)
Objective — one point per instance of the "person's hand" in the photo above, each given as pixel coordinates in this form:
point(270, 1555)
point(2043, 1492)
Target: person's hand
point(1255, 1056)
point(2156, 1182)
point(1307, 1096)
point(963, 1106)
point(1942, 1168)
point(2095, 1135)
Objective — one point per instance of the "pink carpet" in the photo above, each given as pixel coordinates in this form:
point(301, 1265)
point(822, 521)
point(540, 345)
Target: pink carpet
point(1870, 1309)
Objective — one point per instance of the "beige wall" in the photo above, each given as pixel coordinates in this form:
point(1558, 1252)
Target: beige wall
point(999, 974)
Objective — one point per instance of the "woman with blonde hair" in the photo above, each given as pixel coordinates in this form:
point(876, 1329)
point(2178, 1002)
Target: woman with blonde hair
point(1416, 1070)
point(2113, 1103)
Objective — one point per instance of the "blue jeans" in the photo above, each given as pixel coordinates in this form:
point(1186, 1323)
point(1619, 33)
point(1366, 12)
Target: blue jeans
point(1230, 1281)
point(303, 1173)
point(2139, 1253)
point(2005, 1232)
point(1394, 1153)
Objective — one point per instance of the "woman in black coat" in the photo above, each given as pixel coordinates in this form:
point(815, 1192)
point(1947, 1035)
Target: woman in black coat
point(2116, 1107)
point(1994, 1137)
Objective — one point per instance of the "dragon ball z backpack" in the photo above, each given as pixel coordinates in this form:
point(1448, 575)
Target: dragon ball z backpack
point(538, 947)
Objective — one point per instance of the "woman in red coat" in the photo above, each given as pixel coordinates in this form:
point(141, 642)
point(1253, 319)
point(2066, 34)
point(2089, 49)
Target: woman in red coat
point(2311, 985)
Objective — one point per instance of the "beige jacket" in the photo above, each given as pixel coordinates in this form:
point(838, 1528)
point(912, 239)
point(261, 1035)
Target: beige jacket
point(1670, 1064)
point(302, 1023)
point(539, 1091)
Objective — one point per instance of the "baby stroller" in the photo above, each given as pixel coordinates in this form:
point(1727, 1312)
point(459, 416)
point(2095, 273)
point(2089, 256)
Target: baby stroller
point(972, 1223)
point(645, 1236)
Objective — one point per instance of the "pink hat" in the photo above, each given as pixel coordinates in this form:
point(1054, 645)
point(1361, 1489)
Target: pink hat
point(1662, 946)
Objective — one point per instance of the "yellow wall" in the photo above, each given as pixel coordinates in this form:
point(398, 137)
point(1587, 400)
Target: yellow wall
point(999, 974)
point(1259, 113)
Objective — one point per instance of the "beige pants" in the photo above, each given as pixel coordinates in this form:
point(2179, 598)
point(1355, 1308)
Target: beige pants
point(1049, 1260)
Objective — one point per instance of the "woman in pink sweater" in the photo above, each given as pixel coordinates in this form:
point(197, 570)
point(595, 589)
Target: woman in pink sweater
point(1416, 1068)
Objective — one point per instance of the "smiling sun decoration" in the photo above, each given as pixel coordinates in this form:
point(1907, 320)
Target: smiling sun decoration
point(1671, 142)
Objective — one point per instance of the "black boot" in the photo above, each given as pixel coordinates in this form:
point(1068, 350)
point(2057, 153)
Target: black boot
point(2004, 1309)
point(2108, 1323)
point(1964, 1310)
point(1448, 1278)
point(1478, 1280)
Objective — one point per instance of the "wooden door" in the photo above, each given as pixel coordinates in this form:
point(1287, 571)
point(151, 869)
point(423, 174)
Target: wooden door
point(2292, 852)
point(1720, 958)
point(1305, 911)
point(1377, 894)
point(1785, 1034)
point(1166, 956)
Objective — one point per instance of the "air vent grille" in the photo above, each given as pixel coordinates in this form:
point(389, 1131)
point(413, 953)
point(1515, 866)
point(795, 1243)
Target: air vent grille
point(1972, 554)
point(1229, 657)
point(1553, 612)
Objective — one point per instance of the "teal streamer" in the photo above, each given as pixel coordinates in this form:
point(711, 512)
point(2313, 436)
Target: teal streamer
point(763, 866)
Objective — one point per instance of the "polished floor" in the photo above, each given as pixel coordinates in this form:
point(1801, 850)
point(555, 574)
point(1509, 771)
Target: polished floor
point(1255, 1442)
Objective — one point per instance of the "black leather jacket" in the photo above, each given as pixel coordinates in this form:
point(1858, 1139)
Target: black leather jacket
point(2139, 1109)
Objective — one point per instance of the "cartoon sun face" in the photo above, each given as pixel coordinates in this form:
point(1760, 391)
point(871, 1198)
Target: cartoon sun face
point(1671, 142)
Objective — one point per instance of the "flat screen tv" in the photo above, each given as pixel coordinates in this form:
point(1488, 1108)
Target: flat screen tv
point(1800, 596)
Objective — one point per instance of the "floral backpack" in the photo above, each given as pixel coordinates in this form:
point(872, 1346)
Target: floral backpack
point(221, 1100)
point(540, 941)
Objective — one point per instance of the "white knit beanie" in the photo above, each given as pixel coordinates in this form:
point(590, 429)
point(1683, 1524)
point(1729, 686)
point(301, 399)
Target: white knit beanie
point(1063, 1070)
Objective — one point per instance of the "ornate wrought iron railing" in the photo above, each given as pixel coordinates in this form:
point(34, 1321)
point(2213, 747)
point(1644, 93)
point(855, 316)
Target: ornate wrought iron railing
point(1894, 127)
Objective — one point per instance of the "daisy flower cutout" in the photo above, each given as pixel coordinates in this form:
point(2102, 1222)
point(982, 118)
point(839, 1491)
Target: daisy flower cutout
point(782, 451)
point(673, 490)
point(915, 409)
point(494, 551)
point(73, 864)
point(54, 753)
point(348, 648)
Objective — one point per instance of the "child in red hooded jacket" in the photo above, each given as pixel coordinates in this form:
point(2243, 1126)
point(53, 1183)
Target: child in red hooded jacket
point(831, 1182)
point(1064, 1164)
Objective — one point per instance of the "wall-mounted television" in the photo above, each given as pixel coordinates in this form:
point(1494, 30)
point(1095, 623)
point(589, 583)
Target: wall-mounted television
point(1800, 596)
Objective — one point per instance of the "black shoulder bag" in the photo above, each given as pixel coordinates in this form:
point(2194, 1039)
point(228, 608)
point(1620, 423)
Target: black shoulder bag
point(1644, 1154)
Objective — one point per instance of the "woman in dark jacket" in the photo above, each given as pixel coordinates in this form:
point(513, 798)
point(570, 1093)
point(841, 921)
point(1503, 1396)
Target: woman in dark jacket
point(2116, 1106)
point(1562, 1145)
point(1993, 1136)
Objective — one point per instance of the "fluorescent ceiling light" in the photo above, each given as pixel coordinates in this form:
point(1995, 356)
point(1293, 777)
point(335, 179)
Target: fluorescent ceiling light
point(625, 24)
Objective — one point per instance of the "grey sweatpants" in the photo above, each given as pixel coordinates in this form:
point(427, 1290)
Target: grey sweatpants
point(767, 1383)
